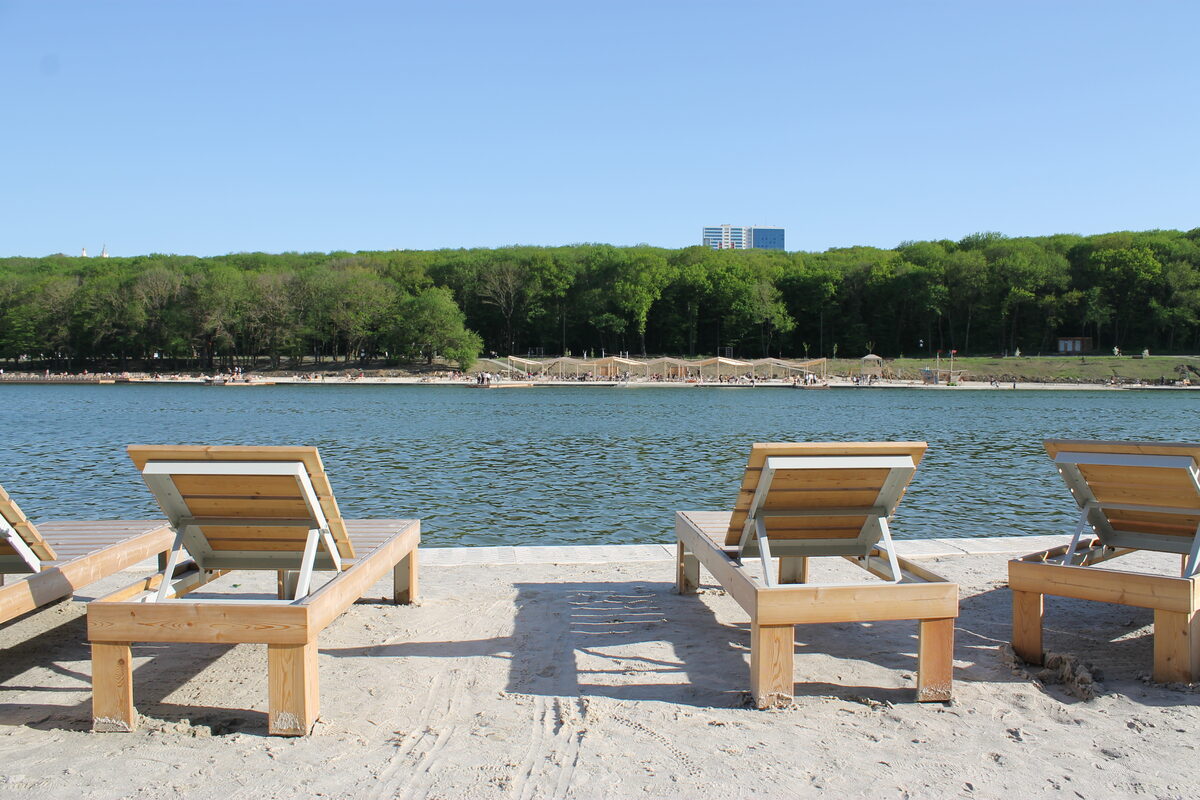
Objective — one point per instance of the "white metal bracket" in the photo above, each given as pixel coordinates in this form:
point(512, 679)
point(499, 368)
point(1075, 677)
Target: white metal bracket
point(20, 546)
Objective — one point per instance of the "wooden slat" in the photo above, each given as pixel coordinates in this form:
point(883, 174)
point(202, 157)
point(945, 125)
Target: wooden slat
point(1153, 522)
point(260, 509)
point(29, 534)
point(1173, 494)
point(820, 498)
point(835, 479)
point(293, 535)
point(257, 545)
point(1109, 475)
point(219, 486)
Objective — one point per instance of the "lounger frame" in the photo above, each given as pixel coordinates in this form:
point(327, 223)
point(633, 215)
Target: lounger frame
point(776, 610)
point(726, 542)
point(289, 629)
point(1071, 570)
point(1175, 601)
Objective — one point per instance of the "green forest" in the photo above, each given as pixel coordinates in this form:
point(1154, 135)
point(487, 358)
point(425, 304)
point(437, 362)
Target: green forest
point(986, 294)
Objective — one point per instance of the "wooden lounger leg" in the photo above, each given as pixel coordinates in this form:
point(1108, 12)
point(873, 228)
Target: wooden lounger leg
point(935, 660)
point(293, 688)
point(687, 571)
point(1027, 611)
point(285, 584)
point(112, 687)
point(772, 656)
point(793, 569)
point(1176, 646)
point(404, 579)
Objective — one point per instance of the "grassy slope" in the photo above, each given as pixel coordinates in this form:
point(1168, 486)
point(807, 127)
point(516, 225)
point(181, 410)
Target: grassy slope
point(1044, 369)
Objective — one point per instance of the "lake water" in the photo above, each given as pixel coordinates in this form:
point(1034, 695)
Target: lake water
point(584, 465)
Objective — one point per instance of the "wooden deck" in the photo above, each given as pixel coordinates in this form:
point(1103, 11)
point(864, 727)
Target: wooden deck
point(87, 552)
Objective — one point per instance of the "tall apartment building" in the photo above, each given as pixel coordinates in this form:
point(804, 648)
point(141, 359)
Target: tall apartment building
point(734, 237)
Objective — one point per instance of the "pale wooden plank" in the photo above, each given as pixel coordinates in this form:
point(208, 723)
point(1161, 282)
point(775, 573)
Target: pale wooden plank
point(1103, 585)
point(813, 603)
point(246, 487)
point(197, 621)
point(252, 507)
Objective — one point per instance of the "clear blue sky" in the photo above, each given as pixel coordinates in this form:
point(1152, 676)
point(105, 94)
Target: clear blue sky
point(216, 127)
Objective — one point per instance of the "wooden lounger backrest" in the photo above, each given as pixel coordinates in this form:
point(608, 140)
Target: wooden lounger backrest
point(254, 496)
point(16, 519)
point(816, 489)
point(1145, 495)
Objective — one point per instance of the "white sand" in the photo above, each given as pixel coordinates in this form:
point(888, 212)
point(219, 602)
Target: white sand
point(597, 681)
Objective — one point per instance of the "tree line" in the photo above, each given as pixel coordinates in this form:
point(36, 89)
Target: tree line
point(986, 293)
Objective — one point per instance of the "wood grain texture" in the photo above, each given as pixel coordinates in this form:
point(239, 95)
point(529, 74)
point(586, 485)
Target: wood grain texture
point(935, 660)
point(112, 688)
point(1027, 611)
point(1176, 647)
point(772, 661)
point(294, 689)
point(1167, 593)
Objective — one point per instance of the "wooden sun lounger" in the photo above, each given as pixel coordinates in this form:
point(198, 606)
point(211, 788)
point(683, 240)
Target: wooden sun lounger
point(246, 508)
point(1132, 496)
point(803, 500)
point(40, 564)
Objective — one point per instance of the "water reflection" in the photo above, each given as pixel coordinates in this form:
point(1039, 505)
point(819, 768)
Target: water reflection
point(571, 465)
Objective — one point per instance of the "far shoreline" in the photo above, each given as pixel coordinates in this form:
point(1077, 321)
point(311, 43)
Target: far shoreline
point(266, 380)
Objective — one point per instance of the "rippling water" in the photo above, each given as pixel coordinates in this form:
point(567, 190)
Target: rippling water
point(570, 465)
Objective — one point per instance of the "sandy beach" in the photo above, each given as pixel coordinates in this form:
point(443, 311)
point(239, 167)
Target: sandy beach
point(578, 672)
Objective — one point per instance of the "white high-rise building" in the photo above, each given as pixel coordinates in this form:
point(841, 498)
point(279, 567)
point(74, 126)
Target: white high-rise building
point(736, 237)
